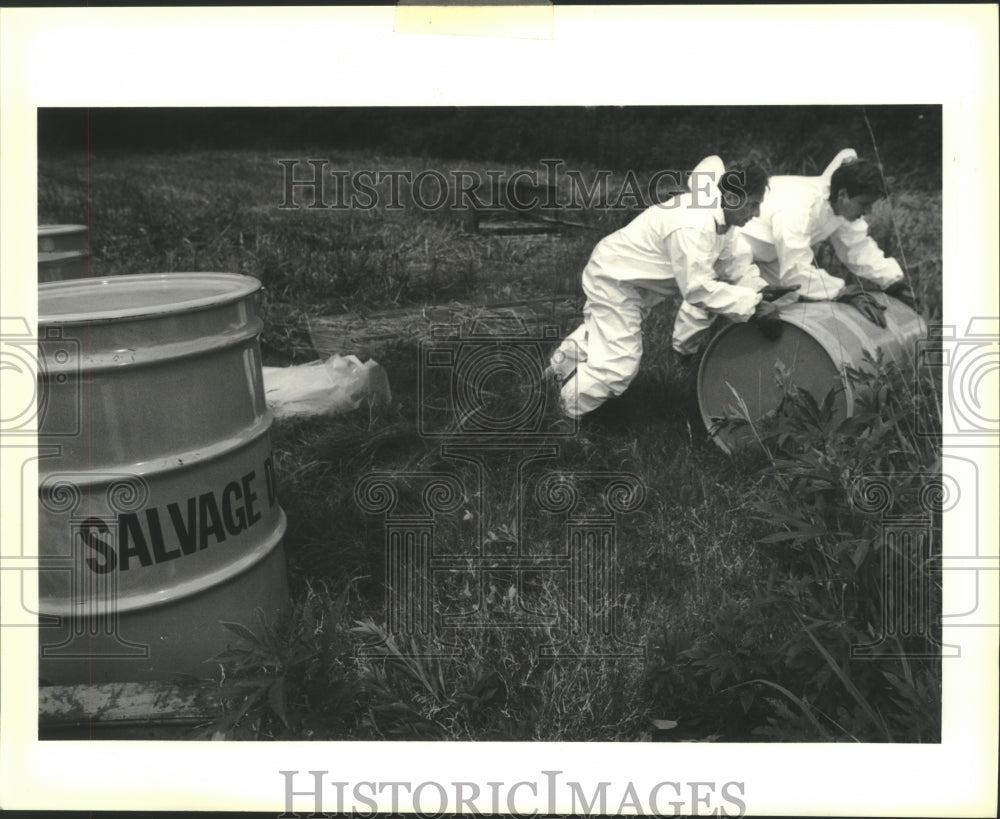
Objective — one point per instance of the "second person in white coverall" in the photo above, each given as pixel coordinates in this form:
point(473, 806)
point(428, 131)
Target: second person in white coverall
point(686, 245)
point(802, 211)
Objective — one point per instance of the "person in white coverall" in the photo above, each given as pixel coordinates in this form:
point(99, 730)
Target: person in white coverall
point(686, 245)
point(799, 212)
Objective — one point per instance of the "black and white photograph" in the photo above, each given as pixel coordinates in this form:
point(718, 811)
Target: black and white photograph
point(646, 427)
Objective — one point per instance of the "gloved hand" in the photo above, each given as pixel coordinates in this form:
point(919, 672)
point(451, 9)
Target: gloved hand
point(853, 294)
point(902, 291)
point(773, 292)
point(767, 319)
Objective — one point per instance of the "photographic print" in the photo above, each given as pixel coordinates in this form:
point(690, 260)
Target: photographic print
point(501, 425)
point(458, 551)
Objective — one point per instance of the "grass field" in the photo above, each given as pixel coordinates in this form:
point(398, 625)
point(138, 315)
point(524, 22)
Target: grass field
point(746, 580)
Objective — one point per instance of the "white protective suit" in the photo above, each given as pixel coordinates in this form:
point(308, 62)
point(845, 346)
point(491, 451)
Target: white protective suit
point(795, 215)
point(672, 247)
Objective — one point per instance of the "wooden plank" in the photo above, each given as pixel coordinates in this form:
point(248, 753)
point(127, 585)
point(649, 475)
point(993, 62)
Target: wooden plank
point(354, 334)
point(127, 703)
point(497, 227)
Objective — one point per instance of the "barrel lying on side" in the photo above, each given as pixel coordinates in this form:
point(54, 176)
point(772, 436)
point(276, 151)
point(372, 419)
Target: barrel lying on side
point(63, 252)
point(818, 341)
point(158, 514)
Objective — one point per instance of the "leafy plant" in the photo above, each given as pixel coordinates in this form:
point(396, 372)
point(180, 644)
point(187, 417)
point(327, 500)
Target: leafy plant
point(290, 678)
point(825, 595)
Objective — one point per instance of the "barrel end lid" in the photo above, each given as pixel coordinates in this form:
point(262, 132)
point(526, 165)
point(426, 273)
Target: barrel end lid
point(141, 295)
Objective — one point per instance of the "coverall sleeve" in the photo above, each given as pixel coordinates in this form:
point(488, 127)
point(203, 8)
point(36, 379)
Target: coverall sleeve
point(862, 255)
point(796, 259)
point(735, 264)
point(692, 254)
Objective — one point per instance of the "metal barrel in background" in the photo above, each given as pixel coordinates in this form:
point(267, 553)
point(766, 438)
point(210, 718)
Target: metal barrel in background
point(819, 340)
point(63, 252)
point(158, 515)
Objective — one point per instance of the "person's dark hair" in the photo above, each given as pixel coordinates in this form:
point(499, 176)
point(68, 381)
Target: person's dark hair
point(859, 177)
point(741, 181)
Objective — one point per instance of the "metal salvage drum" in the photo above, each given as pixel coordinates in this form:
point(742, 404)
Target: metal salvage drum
point(819, 340)
point(63, 252)
point(158, 515)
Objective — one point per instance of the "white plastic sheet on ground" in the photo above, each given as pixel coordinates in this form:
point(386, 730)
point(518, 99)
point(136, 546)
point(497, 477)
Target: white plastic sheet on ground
point(337, 385)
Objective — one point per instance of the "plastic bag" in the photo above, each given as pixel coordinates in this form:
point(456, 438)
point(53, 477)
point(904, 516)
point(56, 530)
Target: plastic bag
point(338, 385)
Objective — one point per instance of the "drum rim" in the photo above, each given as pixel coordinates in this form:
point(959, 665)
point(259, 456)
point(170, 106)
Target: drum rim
point(230, 287)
